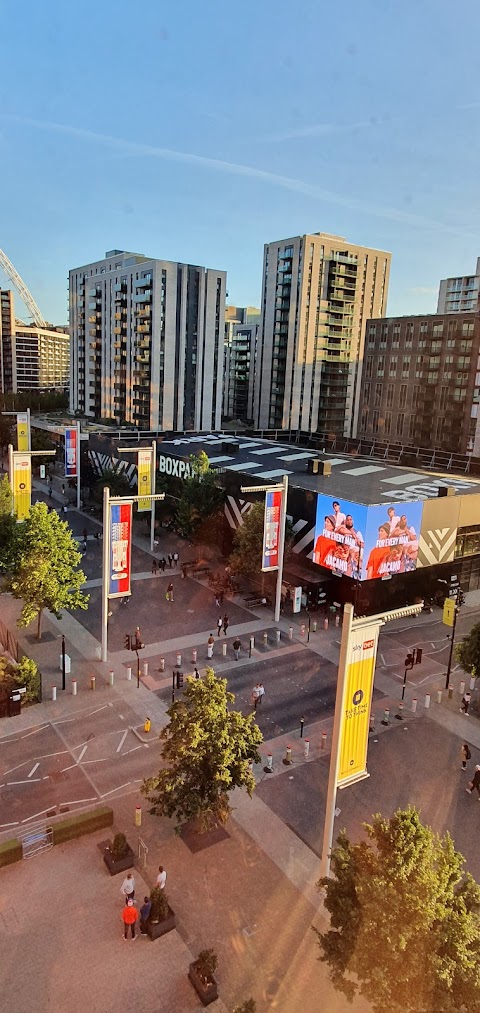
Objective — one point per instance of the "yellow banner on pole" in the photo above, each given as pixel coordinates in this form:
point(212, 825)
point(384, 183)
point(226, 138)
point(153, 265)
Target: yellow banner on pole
point(144, 474)
point(361, 658)
point(22, 485)
point(22, 431)
point(448, 612)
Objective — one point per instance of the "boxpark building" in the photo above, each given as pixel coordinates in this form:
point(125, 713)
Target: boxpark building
point(365, 531)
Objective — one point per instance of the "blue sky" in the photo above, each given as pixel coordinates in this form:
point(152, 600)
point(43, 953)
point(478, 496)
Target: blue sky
point(198, 132)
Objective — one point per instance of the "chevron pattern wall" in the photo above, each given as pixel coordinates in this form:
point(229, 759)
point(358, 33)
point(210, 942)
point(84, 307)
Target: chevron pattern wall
point(436, 546)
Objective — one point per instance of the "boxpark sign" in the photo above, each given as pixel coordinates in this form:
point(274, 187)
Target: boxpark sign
point(174, 466)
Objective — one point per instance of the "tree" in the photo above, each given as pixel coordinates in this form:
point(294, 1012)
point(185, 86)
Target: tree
point(5, 431)
point(249, 1006)
point(200, 496)
point(9, 529)
point(117, 482)
point(248, 541)
point(42, 441)
point(467, 652)
point(46, 574)
point(405, 925)
point(24, 674)
point(206, 749)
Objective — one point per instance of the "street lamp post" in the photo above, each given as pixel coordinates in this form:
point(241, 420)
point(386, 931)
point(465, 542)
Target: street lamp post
point(283, 488)
point(452, 637)
point(63, 661)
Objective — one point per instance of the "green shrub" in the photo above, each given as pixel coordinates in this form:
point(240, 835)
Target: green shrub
point(159, 910)
point(82, 823)
point(249, 1006)
point(119, 847)
point(206, 964)
point(10, 851)
point(27, 675)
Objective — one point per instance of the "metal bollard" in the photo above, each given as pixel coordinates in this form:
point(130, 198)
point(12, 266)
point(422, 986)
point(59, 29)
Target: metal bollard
point(265, 639)
point(179, 659)
point(302, 722)
point(194, 657)
point(427, 700)
point(439, 696)
point(414, 705)
point(306, 749)
point(224, 649)
point(399, 714)
point(472, 683)
point(323, 740)
point(129, 672)
point(138, 815)
point(269, 768)
point(74, 687)
point(252, 645)
point(462, 688)
point(277, 636)
point(162, 665)
point(110, 678)
point(290, 632)
point(54, 692)
point(337, 620)
point(372, 722)
point(145, 668)
point(314, 626)
point(450, 692)
point(288, 756)
point(386, 716)
point(92, 682)
point(325, 623)
point(147, 725)
point(302, 629)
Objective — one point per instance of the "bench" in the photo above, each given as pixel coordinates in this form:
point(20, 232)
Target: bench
point(199, 570)
point(256, 599)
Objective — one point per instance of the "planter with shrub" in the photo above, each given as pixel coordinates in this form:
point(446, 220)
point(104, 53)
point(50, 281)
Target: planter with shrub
point(118, 856)
point(162, 918)
point(201, 974)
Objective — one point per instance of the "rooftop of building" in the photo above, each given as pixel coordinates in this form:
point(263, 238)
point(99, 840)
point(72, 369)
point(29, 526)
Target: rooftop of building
point(455, 315)
point(355, 478)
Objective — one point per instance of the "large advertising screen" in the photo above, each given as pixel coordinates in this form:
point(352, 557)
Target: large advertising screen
point(339, 536)
point(391, 539)
point(366, 543)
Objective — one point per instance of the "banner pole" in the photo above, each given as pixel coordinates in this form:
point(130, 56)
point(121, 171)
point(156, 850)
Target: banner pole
point(78, 466)
point(10, 474)
point(29, 432)
point(281, 548)
point(105, 573)
point(335, 753)
point(152, 490)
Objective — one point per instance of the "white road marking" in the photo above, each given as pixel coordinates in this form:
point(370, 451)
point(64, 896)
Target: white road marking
point(121, 717)
point(36, 815)
point(122, 740)
point(133, 750)
point(84, 750)
point(35, 730)
point(34, 768)
point(4, 825)
point(102, 759)
point(78, 801)
point(72, 765)
point(5, 772)
point(115, 789)
point(25, 782)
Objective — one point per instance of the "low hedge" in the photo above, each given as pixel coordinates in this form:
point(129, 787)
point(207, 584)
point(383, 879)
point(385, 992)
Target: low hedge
point(10, 851)
point(82, 823)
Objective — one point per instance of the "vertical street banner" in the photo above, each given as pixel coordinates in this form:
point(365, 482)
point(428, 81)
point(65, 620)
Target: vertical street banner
point(71, 453)
point(22, 485)
point(271, 530)
point(144, 478)
point(22, 431)
point(120, 550)
point(448, 612)
point(361, 658)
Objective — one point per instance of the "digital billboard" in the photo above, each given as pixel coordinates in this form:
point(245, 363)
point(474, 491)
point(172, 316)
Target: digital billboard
point(391, 539)
point(339, 536)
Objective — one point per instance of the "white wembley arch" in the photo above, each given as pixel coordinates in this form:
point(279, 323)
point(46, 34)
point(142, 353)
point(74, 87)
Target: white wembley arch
point(22, 289)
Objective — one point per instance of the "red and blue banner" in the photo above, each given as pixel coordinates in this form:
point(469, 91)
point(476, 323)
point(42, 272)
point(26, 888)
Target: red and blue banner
point(71, 452)
point(120, 550)
point(271, 530)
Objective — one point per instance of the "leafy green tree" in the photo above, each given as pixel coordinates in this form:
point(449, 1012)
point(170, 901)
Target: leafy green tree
point(24, 674)
point(6, 431)
point(42, 441)
point(46, 574)
point(9, 529)
point(467, 652)
point(206, 750)
point(117, 482)
point(5, 497)
point(200, 498)
point(248, 541)
point(405, 925)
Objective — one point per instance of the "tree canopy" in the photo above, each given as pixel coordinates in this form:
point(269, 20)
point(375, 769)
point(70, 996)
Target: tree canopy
point(206, 751)
point(9, 529)
point(248, 541)
point(46, 574)
point(200, 496)
point(467, 652)
point(405, 925)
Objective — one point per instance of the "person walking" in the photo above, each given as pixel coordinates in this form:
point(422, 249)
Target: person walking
point(475, 782)
point(128, 887)
point(154, 566)
point(170, 559)
point(175, 558)
point(466, 755)
point(236, 648)
point(162, 564)
point(255, 695)
point(85, 534)
point(210, 643)
point(261, 692)
point(219, 625)
point(161, 878)
point(84, 546)
point(184, 571)
point(169, 594)
point(63, 489)
point(129, 918)
point(145, 914)
point(217, 599)
point(196, 673)
point(466, 702)
point(226, 622)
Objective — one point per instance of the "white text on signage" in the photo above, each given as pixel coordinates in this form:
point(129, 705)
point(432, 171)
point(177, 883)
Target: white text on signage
point(174, 467)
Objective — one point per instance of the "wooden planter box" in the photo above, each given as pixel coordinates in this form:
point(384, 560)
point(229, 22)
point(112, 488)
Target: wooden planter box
point(157, 929)
point(121, 864)
point(206, 993)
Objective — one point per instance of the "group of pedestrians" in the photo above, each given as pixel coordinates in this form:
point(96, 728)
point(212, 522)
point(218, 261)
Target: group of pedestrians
point(222, 624)
point(258, 693)
point(130, 913)
point(161, 564)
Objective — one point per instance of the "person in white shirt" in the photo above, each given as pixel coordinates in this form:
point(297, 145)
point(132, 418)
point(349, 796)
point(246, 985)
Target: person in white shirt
point(161, 878)
point(393, 519)
point(339, 516)
point(128, 887)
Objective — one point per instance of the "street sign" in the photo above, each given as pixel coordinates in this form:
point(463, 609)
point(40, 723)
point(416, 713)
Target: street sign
point(448, 612)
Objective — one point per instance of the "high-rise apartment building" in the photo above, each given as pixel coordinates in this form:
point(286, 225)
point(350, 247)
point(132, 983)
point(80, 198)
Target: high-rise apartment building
point(421, 382)
point(147, 342)
point(318, 293)
point(31, 357)
point(459, 295)
point(241, 335)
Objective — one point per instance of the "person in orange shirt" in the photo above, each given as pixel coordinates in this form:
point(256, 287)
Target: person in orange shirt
point(325, 545)
point(378, 554)
point(129, 917)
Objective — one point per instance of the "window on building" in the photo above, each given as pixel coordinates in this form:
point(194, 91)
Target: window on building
point(380, 365)
point(375, 418)
point(403, 396)
point(378, 394)
point(388, 423)
point(467, 328)
point(368, 366)
point(400, 421)
point(412, 427)
point(390, 393)
point(406, 367)
point(443, 396)
point(393, 365)
point(416, 396)
point(366, 392)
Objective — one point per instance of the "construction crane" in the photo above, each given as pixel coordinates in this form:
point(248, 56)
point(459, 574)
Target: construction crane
point(22, 289)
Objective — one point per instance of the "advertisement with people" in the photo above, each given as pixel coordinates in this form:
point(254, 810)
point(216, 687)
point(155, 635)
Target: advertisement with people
point(391, 539)
point(339, 536)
